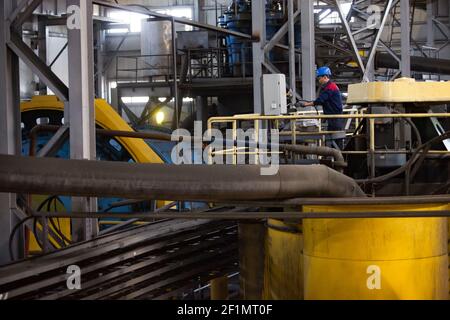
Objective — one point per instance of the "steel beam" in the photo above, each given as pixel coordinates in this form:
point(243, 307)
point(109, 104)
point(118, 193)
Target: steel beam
point(281, 32)
point(258, 32)
point(430, 23)
point(308, 50)
point(81, 106)
point(292, 73)
point(23, 11)
point(201, 110)
point(9, 130)
point(100, 35)
point(405, 15)
point(373, 49)
point(350, 36)
point(146, 11)
point(42, 46)
point(178, 104)
point(41, 69)
point(55, 143)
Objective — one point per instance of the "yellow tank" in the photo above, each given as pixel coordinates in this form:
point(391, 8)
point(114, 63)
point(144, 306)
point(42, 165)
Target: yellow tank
point(372, 259)
point(283, 279)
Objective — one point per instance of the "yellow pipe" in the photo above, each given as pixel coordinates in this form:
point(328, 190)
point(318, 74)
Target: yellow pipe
point(371, 259)
point(283, 279)
point(253, 117)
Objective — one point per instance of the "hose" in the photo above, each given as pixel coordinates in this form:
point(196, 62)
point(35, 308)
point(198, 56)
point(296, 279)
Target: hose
point(13, 232)
point(339, 160)
point(51, 220)
point(413, 126)
point(407, 166)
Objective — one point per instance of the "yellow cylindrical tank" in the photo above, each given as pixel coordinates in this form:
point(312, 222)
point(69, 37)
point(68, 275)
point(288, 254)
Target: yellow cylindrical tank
point(283, 278)
point(371, 259)
point(449, 255)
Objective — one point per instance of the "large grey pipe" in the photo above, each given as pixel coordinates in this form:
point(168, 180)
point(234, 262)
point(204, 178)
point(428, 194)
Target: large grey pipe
point(419, 64)
point(153, 181)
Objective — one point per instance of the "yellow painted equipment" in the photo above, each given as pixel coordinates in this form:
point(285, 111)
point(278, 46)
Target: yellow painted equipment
point(404, 90)
point(372, 259)
point(283, 279)
point(219, 288)
point(105, 118)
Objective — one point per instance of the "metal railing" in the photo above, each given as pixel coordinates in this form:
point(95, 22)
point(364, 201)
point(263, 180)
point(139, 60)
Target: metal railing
point(144, 67)
point(318, 136)
point(219, 62)
point(235, 60)
point(206, 63)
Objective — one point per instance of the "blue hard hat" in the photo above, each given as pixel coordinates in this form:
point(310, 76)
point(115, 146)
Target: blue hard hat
point(323, 71)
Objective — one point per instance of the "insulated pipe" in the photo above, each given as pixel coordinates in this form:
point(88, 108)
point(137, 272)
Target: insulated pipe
point(419, 64)
point(196, 183)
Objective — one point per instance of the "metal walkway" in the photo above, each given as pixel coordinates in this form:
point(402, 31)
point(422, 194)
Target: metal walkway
point(161, 260)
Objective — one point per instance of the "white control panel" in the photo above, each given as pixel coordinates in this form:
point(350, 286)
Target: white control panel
point(275, 99)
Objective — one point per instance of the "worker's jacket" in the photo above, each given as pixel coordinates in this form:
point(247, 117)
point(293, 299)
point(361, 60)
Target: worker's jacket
point(330, 99)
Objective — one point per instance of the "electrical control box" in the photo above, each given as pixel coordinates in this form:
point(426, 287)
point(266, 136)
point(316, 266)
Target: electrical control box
point(275, 98)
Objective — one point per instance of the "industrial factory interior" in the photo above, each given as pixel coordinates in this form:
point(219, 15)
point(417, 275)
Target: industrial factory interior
point(224, 150)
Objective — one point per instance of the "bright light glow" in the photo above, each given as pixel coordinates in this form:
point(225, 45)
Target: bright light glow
point(334, 18)
point(162, 99)
point(113, 84)
point(135, 100)
point(184, 100)
point(160, 117)
point(179, 12)
point(134, 19)
point(131, 18)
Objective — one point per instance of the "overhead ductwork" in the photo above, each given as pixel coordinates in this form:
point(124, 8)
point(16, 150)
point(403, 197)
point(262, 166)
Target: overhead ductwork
point(418, 64)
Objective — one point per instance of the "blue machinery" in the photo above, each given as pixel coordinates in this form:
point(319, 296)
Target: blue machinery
point(48, 111)
point(238, 17)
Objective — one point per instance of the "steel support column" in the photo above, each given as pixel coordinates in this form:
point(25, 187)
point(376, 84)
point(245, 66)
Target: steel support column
point(99, 71)
point(430, 23)
point(258, 31)
point(405, 17)
point(81, 104)
point(348, 31)
point(308, 50)
point(292, 75)
point(42, 45)
point(9, 129)
point(177, 104)
point(201, 110)
point(375, 43)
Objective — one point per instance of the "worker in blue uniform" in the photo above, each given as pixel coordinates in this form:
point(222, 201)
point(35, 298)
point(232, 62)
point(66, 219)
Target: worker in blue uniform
point(330, 99)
